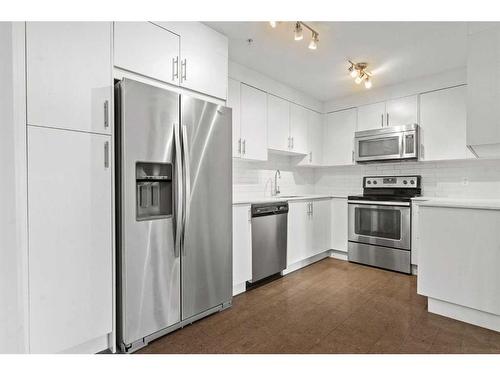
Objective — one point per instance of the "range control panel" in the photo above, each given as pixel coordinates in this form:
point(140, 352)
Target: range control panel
point(391, 182)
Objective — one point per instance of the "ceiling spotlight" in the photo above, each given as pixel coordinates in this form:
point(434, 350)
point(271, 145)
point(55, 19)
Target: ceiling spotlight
point(313, 44)
point(353, 72)
point(368, 82)
point(273, 24)
point(359, 78)
point(298, 31)
point(359, 73)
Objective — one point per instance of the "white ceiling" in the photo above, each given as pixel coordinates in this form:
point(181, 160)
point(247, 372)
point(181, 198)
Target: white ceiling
point(396, 52)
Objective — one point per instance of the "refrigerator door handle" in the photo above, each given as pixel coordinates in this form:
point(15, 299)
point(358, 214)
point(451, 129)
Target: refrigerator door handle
point(187, 183)
point(179, 200)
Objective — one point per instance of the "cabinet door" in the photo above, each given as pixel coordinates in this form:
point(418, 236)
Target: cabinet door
point(233, 101)
point(70, 231)
point(401, 111)
point(322, 226)
point(300, 225)
point(242, 244)
point(338, 140)
point(339, 224)
point(204, 57)
point(253, 123)
point(443, 116)
point(69, 75)
point(278, 123)
point(298, 128)
point(371, 116)
point(314, 139)
point(147, 49)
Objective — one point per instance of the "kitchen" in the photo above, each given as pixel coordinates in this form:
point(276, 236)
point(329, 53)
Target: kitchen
point(238, 204)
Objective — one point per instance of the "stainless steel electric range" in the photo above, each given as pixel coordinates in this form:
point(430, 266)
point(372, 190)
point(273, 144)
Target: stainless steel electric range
point(379, 222)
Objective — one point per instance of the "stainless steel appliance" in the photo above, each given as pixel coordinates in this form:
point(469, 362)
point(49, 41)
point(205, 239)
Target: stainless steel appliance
point(269, 239)
point(385, 144)
point(379, 222)
point(174, 213)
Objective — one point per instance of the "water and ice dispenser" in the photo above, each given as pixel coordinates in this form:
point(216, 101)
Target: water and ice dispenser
point(154, 190)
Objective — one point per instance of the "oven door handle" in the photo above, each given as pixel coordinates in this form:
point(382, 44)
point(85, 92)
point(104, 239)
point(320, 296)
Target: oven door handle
point(381, 203)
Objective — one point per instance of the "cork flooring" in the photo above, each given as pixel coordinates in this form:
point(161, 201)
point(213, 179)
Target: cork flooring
point(331, 306)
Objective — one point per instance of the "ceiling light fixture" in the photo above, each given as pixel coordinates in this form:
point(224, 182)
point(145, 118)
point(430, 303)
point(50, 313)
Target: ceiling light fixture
point(313, 44)
point(298, 32)
point(359, 73)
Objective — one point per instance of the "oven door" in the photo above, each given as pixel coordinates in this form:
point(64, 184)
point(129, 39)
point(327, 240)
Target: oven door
point(379, 147)
point(384, 224)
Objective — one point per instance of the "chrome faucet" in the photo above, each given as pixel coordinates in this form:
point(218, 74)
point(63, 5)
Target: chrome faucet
point(276, 187)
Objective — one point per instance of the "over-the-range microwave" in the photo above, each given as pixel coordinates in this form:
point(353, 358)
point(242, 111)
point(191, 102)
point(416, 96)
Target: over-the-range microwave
point(386, 144)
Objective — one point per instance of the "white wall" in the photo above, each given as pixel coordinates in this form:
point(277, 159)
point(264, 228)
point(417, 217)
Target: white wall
point(377, 94)
point(11, 284)
point(457, 179)
point(251, 179)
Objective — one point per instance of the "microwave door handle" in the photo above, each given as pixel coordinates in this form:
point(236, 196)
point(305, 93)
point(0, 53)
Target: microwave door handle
point(402, 145)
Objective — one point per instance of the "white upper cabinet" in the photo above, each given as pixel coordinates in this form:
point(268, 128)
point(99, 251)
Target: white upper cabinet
point(278, 123)
point(338, 140)
point(233, 102)
point(443, 122)
point(394, 112)
point(483, 91)
point(371, 116)
point(298, 128)
point(69, 82)
point(147, 49)
point(401, 111)
point(242, 245)
point(253, 127)
point(71, 234)
point(314, 139)
point(203, 58)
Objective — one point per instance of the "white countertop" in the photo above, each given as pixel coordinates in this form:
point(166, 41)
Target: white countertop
point(298, 197)
point(487, 204)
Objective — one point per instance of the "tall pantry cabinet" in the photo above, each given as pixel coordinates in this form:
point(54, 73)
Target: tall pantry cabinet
point(70, 195)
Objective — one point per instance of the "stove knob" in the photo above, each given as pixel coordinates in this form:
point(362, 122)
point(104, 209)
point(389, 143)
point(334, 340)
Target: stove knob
point(374, 182)
point(412, 182)
point(368, 182)
point(405, 182)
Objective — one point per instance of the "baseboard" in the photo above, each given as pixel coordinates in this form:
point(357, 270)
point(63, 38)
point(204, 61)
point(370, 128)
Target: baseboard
point(303, 263)
point(338, 254)
point(464, 314)
point(93, 346)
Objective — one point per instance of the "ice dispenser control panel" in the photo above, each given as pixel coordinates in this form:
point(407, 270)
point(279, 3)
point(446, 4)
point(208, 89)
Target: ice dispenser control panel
point(153, 190)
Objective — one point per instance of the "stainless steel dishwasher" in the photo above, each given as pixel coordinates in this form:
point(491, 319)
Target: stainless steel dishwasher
point(269, 239)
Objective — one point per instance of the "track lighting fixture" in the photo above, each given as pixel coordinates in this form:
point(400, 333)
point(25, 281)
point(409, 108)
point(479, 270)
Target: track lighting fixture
point(359, 73)
point(298, 33)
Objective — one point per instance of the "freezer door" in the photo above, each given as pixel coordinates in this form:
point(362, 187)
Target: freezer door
point(149, 266)
point(207, 236)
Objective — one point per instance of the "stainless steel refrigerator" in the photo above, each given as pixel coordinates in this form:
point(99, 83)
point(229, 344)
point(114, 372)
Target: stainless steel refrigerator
point(174, 211)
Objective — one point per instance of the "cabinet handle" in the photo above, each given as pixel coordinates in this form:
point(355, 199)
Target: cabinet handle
point(183, 70)
point(239, 146)
point(292, 143)
point(312, 209)
point(106, 154)
point(310, 157)
point(382, 120)
point(387, 118)
point(106, 113)
point(244, 146)
point(289, 144)
point(175, 68)
point(250, 215)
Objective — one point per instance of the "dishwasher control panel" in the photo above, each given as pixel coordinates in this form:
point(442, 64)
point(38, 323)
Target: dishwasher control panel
point(274, 208)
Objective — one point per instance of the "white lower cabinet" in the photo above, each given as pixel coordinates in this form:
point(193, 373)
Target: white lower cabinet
point(309, 229)
point(242, 246)
point(339, 224)
point(70, 241)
